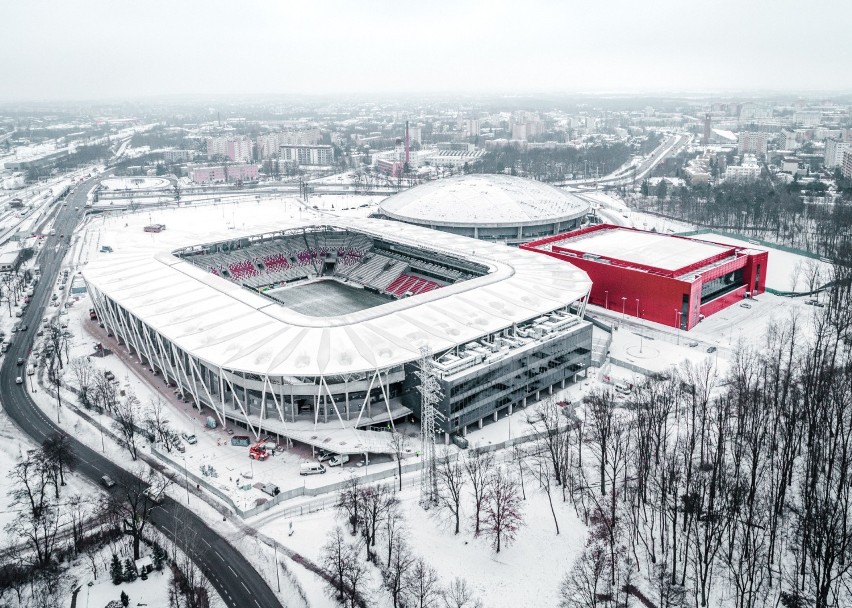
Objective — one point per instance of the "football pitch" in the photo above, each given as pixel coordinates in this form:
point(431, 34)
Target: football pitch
point(326, 298)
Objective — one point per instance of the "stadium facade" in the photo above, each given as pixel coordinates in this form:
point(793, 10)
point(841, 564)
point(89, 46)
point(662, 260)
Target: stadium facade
point(500, 208)
point(668, 279)
point(314, 332)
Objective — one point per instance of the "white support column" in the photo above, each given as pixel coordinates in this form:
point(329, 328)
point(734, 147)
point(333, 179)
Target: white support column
point(256, 433)
point(197, 372)
point(366, 399)
point(385, 396)
point(333, 404)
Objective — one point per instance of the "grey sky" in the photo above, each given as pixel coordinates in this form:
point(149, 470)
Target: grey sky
point(96, 49)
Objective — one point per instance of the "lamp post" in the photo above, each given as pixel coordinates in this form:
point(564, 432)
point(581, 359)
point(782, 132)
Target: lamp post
point(637, 307)
point(186, 479)
point(606, 299)
point(623, 302)
point(678, 321)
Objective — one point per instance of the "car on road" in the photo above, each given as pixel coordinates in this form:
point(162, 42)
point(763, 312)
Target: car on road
point(19, 380)
point(107, 481)
point(744, 305)
point(711, 349)
point(155, 496)
point(20, 361)
point(190, 438)
point(24, 327)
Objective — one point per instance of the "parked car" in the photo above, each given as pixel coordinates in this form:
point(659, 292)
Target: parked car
point(323, 456)
point(711, 349)
point(190, 438)
point(19, 380)
point(744, 305)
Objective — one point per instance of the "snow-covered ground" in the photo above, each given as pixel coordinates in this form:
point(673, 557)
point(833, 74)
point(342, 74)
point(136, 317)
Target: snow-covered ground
point(134, 183)
point(785, 271)
point(529, 569)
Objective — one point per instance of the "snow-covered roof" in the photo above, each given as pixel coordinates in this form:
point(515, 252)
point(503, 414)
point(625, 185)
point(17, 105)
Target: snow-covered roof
point(235, 328)
point(484, 200)
point(640, 247)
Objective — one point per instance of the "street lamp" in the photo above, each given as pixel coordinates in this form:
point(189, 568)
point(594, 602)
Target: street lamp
point(623, 302)
point(637, 307)
point(186, 479)
point(678, 321)
point(606, 299)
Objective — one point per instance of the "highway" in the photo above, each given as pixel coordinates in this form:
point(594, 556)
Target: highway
point(233, 577)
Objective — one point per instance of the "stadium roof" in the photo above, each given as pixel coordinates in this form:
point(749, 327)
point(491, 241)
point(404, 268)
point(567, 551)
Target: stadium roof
point(484, 200)
point(235, 328)
point(640, 247)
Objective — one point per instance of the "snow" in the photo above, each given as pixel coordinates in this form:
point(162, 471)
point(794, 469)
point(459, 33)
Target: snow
point(151, 592)
point(521, 571)
point(239, 329)
point(484, 200)
point(646, 248)
point(782, 265)
point(134, 183)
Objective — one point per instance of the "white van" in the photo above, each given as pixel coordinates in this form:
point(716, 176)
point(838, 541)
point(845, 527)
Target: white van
point(311, 468)
point(339, 460)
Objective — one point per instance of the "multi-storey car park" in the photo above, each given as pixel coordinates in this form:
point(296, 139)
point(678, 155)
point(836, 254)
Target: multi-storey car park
point(314, 332)
point(489, 207)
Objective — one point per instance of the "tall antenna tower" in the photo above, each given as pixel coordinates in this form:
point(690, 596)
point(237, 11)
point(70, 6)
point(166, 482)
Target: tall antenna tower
point(430, 394)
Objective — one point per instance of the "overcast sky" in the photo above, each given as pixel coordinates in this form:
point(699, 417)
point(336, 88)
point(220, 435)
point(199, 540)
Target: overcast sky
point(108, 49)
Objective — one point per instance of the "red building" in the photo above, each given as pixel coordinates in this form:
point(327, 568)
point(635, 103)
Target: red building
point(667, 279)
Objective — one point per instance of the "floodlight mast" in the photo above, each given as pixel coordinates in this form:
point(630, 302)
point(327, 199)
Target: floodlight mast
point(430, 395)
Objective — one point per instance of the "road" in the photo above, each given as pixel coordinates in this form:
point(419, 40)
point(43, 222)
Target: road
point(627, 176)
point(229, 572)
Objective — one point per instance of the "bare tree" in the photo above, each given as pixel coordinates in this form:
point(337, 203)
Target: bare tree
point(394, 527)
point(349, 502)
point(126, 421)
point(58, 456)
point(157, 426)
point(396, 573)
point(131, 504)
point(422, 586)
point(398, 443)
point(377, 501)
point(585, 582)
point(340, 561)
point(479, 468)
point(38, 521)
point(503, 514)
point(458, 594)
point(549, 427)
point(451, 483)
point(84, 374)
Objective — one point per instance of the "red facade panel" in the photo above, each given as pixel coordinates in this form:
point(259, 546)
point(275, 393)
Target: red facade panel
point(653, 293)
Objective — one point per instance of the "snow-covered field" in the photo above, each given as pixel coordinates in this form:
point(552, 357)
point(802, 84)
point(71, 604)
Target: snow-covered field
point(528, 570)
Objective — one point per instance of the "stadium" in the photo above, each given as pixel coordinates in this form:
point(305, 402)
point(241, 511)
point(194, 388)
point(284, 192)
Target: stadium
point(314, 331)
point(489, 207)
point(668, 279)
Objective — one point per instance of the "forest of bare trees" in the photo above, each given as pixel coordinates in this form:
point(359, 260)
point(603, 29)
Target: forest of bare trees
point(763, 209)
point(712, 488)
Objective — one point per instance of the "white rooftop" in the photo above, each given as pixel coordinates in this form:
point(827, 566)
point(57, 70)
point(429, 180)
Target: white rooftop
point(237, 329)
point(647, 248)
point(484, 200)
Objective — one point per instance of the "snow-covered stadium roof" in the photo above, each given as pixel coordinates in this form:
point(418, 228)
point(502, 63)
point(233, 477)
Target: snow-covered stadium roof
point(484, 200)
point(235, 328)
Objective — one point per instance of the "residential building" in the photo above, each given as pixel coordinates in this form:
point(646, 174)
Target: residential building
point(178, 156)
point(307, 155)
point(747, 170)
point(223, 174)
point(752, 143)
point(846, 167)
point(834, 150)
point(237, 149)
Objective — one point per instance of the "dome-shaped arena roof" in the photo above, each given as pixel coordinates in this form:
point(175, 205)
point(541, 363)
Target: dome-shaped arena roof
point(484, 200)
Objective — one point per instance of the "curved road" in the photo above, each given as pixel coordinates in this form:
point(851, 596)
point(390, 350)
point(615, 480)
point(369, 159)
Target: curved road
point(229, 572)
